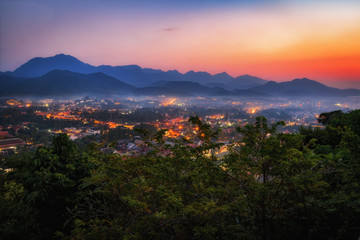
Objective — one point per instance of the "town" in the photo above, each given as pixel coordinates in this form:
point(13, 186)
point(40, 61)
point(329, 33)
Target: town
point(123, 123)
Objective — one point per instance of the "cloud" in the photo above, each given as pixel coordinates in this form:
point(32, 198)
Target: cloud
point(169, 29)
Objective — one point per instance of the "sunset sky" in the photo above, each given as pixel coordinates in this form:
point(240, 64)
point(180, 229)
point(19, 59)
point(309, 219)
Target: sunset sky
point(272, 39)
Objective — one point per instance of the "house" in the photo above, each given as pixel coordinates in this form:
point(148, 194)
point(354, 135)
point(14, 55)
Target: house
point(10, 143)
point(5, 134)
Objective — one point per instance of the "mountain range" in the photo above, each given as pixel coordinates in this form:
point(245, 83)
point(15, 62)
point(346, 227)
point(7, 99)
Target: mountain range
point(131, 74)
point(64, 75)
point(303, 88)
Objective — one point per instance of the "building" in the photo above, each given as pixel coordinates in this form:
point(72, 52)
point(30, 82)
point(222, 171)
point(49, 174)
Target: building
point(10, 143)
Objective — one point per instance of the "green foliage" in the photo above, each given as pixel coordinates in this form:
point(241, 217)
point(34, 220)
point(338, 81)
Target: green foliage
point(279, 176)
point(269, 186)
point(49, 178)
point(16, 219)
point(335, 123)
point(158, 197)
point(338, 149)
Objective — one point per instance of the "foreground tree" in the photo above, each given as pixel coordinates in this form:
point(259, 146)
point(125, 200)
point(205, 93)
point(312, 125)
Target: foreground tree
point(339, 212)
point(49, 180)
point(176, 194)
point(279, 177)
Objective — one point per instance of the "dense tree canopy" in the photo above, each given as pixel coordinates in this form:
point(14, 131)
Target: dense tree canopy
point(269, 185)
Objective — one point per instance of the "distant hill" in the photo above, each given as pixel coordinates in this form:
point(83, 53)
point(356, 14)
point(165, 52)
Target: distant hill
point(216, 85)
point(247, 81)
point(131, 74)
point(194, 88)
point(61, 83)
point(64, 83)
point(241, 82)
point(303, 87)
point(8, 82)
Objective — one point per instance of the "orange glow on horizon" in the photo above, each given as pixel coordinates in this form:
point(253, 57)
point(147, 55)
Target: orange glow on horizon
point(319, 40)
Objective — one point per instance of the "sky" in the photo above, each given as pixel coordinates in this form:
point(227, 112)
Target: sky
point(273, 39)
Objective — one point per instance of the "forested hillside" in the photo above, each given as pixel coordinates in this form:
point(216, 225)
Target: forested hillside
point(270, 185)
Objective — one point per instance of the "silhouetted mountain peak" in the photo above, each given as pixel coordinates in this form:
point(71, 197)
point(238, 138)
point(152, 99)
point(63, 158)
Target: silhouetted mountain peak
point(250, 81)
point(39, 66)
point(64, 56)
point(248, 76)
point(303, 87)
point(307, 82)
point(132, 67)
point(197, 76)
point(192, 72)
point(223, 75)
point(173, 71)
point(57, 58)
